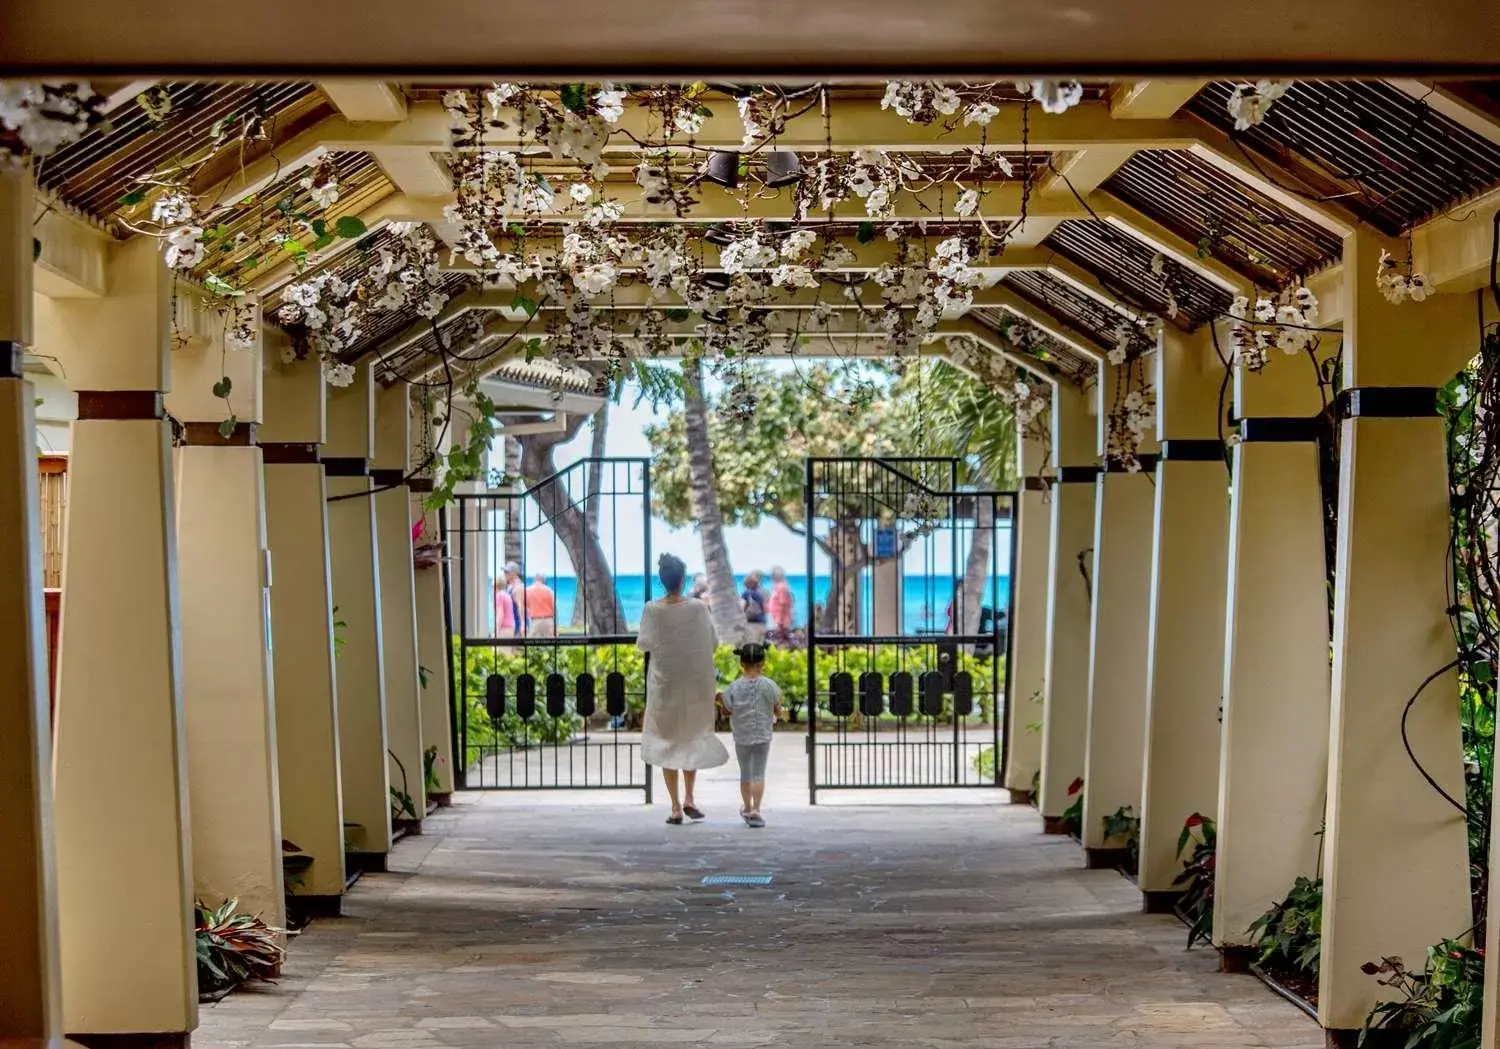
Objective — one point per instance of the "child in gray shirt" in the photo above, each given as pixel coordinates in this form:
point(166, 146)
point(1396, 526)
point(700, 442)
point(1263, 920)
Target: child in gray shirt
point(754, 705)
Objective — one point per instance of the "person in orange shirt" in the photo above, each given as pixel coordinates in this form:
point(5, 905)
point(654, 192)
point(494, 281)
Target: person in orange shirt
point(541, 607)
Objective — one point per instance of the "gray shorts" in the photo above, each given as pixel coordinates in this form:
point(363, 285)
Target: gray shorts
point(753, 760)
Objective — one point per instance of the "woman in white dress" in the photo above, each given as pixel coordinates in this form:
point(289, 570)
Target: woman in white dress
point(678, 638)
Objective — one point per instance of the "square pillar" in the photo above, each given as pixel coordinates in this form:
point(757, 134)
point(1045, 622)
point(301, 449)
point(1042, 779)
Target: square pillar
point(363, 746)
point(1274, 749)
point(433, 640)
point(1028, 630)
point(398, 616)
point(31, 1004)
point(1189, 571)
point(1116, 727)
point(224, 576)
point(1391, 634)
point(1070, 572)
point(307, 719)
point(124, 852)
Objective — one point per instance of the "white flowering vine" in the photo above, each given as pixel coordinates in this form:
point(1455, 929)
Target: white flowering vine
point(1286, 322)
point(1398, 282)
point(1249, 103)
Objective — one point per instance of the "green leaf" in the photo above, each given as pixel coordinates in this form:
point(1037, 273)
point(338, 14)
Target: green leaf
point(133, 198)
point(222, 387)
point(36, 249)
point(677, 315)
point(574, 97)
point(521, 302)
point(865, 233)
point(226, 428)
point(220, 126)
point(221, 287)
point(319, 227)
point(294, 248)
point(349, 226)
point(322, 242)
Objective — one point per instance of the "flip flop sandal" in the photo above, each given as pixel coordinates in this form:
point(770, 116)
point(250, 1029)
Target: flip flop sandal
point(755, 821)
point(675, 821)
point(746, 817)
point(693, 812)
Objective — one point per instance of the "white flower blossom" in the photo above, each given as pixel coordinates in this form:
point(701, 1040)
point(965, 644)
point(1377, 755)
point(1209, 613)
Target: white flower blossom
point(581, 192)
point(609, 103)
point(797, 242)
point(172, 209)
point(967, 203)
point(789, 276)
point(1249, 103)
point(184, 247)
point(981, 113)
point(1055, 96)
point(337, 373)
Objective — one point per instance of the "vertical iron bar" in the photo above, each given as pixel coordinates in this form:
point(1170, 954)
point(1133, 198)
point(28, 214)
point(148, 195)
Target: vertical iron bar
point(457, 719)
point(810, 513)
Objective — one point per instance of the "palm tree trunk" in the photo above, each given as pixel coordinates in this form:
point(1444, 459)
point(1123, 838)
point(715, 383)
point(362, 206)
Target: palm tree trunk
point(514, 542)
point(847, 555)
point(977, 569)
point(724, 601)
point(568, 521)
point(593, 501)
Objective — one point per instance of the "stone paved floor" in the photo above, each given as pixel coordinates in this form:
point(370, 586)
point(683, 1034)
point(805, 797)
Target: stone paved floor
point(519, 922)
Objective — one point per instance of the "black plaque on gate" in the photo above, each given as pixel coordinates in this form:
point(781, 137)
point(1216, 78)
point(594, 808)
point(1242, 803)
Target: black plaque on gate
point(583, 695)
point(494, 696)
point(526, 697)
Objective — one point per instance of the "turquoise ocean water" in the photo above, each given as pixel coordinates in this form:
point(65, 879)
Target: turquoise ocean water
point(924, 606)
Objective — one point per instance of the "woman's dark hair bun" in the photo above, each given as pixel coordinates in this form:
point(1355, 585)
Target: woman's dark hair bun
point(751, 652)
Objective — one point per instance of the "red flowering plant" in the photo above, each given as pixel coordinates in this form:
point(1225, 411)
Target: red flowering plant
point(426, 553)
point(1072, 817)
point(1196, 848)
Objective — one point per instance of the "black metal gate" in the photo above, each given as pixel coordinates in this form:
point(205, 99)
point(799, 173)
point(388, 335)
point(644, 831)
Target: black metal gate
point(904, 667)
point(553, 702)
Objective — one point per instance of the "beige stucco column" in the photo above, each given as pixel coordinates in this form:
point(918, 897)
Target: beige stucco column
point(225, 577)
point(307, 727)
point(1189, 570)
point(1116, 731)
point(1274, 748)
point(398, 616)
point(31, 1003)
point(363, 746)
point(1069, 578)
point(123, 843)
point(1027, 668)
point(431, 605)
point(1391, 632)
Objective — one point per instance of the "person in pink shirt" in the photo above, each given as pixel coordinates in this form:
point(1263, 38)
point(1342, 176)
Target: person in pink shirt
point(505, 611)
point(781, 603)
point(541, 608)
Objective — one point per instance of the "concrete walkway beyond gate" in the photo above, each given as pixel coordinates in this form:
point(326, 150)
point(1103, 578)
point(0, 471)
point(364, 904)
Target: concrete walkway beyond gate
point(520, 920)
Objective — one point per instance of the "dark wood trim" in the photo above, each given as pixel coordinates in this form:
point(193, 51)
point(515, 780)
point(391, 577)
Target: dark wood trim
point(157, 1040)
point(1160, 901)
point(314, 905)
point(1379, 1038)
point(1106, 859)
point(419, 484)
point(441, 799)
point(1279, 430)
point(12, 360)
point(346, 466)
point(120, 405)
point(365, 862)
point(1192, 450)
point(409, 828)
point(1236, 959)
point(385, 477)
point(1078, 474)
point(288, 453)
point(1036, 484)
point(1054, 825)
point(1021, 797)
point(207, 434)
point(1387, 402)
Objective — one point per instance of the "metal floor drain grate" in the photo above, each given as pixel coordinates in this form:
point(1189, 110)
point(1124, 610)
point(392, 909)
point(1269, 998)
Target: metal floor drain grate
point(736, 879)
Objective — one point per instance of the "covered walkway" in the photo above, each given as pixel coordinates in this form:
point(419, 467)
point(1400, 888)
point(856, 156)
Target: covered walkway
point(583, 919)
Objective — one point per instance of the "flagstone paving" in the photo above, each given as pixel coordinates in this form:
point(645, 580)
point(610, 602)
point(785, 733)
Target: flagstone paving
point(579, 921)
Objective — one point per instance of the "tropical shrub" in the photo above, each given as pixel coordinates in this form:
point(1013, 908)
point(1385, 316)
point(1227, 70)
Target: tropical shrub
point(1196, 847)
point(234, 947)
point(1072, 817)
point(1441, 1006)
point(1123, 825)
point(1290, 934)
